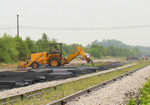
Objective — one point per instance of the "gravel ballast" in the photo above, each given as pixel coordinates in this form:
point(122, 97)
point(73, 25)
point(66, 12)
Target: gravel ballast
point(22, 90)
point(117, 93)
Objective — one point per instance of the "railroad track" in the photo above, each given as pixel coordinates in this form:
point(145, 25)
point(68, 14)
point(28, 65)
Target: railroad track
point(78, 70)
point(14, 79)
point(66, 99)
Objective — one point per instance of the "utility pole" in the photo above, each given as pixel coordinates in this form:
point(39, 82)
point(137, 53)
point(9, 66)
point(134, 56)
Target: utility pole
point(17, 25)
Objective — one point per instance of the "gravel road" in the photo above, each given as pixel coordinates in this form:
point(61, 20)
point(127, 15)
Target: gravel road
point(11, 92)
point(117, 93)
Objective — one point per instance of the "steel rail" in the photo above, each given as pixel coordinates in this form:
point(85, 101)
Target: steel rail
point(30, 94)
point(64, 100)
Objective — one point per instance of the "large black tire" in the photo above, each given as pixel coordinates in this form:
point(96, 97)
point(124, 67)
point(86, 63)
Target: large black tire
point(35, 65)
point(54, 62)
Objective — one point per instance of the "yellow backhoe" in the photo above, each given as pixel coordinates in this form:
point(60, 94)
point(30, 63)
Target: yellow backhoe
point(54, 57)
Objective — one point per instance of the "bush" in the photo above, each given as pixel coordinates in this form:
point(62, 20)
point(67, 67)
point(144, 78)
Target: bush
point(144, 97)
point(145, 94)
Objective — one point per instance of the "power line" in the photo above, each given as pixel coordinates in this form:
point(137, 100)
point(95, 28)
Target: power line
point(85, 28)
point(75, 28)
point(6, 28)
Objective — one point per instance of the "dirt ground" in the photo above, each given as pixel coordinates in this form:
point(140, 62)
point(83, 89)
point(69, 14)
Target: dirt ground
point(76, 62)
point(11, 67)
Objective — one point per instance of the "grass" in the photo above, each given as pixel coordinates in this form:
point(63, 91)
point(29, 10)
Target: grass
point(13, 65)
point(95, 64)
point(111, 57)
point(71, 87)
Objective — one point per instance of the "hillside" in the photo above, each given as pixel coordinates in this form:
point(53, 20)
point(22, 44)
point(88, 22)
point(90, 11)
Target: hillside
point(116, 43)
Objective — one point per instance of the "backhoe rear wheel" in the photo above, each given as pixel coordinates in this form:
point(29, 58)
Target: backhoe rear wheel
point(35, 65)
point(54, 62)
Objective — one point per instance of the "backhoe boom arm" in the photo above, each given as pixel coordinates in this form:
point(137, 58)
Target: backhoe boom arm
point(75, 53)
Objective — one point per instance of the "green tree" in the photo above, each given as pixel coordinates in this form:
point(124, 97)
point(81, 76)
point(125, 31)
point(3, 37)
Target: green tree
point(136, 52)
point(8, 50)
point(97, 51)
point(43, 44)
point(22, 47)
point(31, 45)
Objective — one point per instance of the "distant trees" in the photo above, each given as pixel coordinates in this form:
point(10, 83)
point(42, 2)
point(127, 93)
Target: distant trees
point(136, 52)
point(98, 51)
point(13, 49)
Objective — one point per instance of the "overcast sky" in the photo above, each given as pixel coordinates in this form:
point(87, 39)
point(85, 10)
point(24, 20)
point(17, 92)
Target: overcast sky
point(78, 13)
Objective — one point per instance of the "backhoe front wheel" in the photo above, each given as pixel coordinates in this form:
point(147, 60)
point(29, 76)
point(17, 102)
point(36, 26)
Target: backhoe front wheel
point(54, 62)
point(35, 65)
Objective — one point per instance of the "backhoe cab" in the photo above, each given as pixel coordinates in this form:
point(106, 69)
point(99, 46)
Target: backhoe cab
point(54, 57)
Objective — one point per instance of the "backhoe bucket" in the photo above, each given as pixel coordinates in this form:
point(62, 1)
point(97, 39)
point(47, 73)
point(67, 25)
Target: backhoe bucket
point(89, 60)
point(21, 64)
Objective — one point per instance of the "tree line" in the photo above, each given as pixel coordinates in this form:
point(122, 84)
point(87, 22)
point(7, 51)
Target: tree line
point(13, 49)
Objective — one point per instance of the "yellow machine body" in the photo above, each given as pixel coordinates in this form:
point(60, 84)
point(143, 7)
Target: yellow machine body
point(54, 60)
